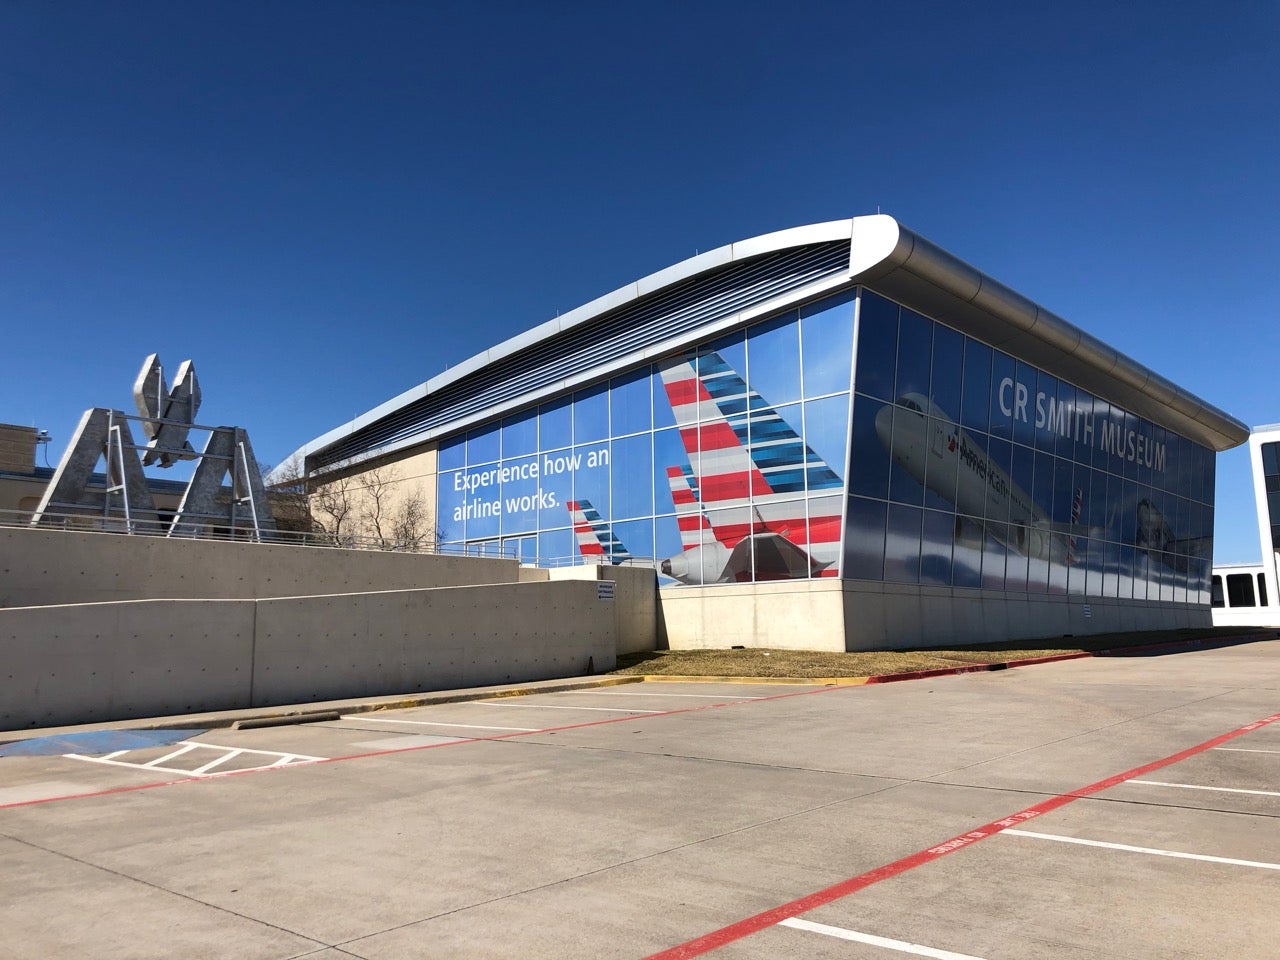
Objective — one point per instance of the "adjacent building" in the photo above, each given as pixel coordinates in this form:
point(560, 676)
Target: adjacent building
point(838, 436)
point(1245, 594)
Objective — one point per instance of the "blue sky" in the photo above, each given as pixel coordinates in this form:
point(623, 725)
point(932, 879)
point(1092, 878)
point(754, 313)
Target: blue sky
point(324, 204)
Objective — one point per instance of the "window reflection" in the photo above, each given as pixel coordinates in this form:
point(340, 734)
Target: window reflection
point(738, 459)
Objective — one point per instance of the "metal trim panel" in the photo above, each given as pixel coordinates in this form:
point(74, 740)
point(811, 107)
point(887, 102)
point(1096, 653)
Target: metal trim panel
point(907, 267)
point(880, 253)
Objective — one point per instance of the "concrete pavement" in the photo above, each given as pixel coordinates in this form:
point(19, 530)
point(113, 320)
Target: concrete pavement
point(632, 820)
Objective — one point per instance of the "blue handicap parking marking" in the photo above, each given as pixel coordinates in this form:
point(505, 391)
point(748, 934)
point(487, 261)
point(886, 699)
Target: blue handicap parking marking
point(94, 742)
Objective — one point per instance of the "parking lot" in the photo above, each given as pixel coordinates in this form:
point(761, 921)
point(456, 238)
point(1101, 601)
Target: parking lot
point(1111, 807)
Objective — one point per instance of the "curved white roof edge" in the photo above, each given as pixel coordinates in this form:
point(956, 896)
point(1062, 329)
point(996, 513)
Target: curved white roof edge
point(895, 259)
point(677, 273)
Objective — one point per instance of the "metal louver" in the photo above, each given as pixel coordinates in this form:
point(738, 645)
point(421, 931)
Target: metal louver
point(683, 307)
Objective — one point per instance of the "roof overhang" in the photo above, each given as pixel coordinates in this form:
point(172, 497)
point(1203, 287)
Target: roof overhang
point(901, 264)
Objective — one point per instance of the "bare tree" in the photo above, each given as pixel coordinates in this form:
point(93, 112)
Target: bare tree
point(376, 512)
point(288, 498)
point(334, 508)
point(411, 522)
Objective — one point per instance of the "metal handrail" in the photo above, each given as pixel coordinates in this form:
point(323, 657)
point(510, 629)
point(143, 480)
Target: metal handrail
point(86, 522)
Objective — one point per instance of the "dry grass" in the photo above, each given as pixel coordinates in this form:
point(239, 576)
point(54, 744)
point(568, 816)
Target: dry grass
point(806, 664)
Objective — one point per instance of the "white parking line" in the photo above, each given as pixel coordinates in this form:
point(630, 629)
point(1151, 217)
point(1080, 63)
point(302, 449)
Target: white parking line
point(698, 696)
point(1148, 850)
point(160, 761)
point(438, 723)
point(900, 945)
point(552, 706)
point(1244, 750)
point(224, 754)
point(1196, 786)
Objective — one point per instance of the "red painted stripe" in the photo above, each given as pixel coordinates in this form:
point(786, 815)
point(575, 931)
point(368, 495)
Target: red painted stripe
point(744, 928)
point(428, 746)
point(590, 547)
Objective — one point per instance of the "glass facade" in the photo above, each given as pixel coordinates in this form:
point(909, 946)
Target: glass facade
point(970, 468)
point(721, 464)
point(750, 458)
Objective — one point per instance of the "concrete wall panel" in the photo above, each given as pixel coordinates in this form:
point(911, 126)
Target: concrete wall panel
point(88, 662)
point(39, 567)
point(110, 661)
point(635, 604)
point(789, 615)
point(316, 648)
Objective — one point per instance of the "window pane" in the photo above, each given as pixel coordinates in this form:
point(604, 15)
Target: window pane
point(826, 433)
point(590, 415)
point(482, 445)
point(826, 330)
point(1024, 404)
point(555, 425)
point(1050, 419)
point(976, 394)
point(669, 453)
point(936, 545)
point(947, 373)
point(557, 547)
point(633, 477)
point(453, 453)
point(869, 457)
point(773, 360)
point(877, 346)
point(864, 539)
point(915, 354)
point(629, 401)
point(909, 441)
point(1004, 395)
point(520, 435)
point(520, 495)
point(902, 544)
point(636, 537)
point(555, 472)
point(591, 477)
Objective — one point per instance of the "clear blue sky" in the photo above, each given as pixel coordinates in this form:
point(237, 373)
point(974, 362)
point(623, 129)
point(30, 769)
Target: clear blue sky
point(324, 204)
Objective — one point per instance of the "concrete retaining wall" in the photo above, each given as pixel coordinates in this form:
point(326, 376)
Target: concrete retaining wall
point(635, 604)
point(110, 661)
point(41, 566)
point(861, 615)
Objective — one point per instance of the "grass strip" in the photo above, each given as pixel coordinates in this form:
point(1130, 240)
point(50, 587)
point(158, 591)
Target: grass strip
point(801, 664)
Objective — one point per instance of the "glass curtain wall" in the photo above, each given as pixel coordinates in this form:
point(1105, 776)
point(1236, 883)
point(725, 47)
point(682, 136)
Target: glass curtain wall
point(970, 468)
point(724, 463)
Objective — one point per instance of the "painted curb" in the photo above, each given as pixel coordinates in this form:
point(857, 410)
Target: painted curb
point(1167, 646)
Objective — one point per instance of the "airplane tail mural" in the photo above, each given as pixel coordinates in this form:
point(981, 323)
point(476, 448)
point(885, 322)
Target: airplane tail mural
point(695, 529)
point(596, 539)
point(750, 472)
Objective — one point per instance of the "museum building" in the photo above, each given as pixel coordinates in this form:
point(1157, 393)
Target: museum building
point(837, 436)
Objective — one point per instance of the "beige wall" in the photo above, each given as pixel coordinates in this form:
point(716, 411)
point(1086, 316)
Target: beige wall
point(17, 448)
point(42, 566)
point(394, 479)
point(788, 615)
point(112, 661)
